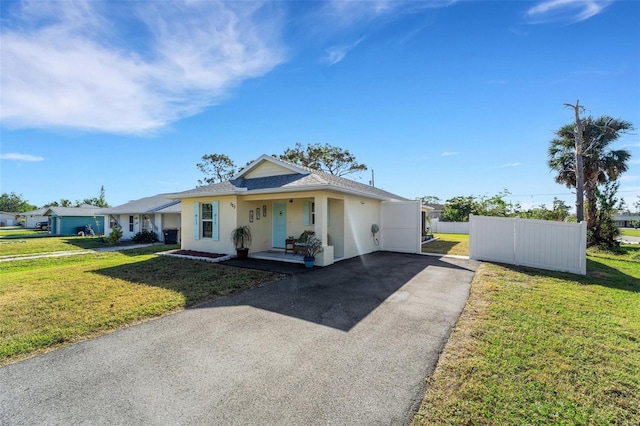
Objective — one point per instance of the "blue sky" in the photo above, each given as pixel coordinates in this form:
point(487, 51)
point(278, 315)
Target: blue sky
point(440, 98)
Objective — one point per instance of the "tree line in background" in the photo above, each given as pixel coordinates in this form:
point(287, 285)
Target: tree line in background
point(15, 203)
point(458, 209)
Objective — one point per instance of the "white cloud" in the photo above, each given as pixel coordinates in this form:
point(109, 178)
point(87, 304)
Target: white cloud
point(628, 178)
point(336, 54)
point(347, 13)
point(509, 165)
point(449, 153)
point(65, 64)
point(569, 11)
point(20, 157)
point(340, 16)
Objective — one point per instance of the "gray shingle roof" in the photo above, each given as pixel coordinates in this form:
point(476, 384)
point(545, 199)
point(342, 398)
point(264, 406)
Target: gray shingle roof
point(313, 181)
point(74, 211)
point(37, 212)
point(155, 204)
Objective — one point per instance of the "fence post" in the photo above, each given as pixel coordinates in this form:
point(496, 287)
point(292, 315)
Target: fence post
point(517, 254)
point(472, 229)
point(583, 247)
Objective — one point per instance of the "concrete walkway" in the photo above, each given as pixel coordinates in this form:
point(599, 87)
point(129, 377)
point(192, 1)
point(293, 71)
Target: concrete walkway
point(629, 239)
point(351, 343)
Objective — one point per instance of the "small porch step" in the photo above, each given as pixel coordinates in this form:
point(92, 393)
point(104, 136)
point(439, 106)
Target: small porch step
point(278, 255)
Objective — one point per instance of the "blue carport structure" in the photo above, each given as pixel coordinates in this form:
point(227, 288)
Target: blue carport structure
point(66, 220)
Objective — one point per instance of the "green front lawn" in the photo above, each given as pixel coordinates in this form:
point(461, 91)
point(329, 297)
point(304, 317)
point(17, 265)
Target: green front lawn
point(32, 245)
point(630, 232)
point(537, 347)
point(50, 302)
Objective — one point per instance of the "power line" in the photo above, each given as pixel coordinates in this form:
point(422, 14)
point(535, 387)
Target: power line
point(539, 195)
point(559, 193)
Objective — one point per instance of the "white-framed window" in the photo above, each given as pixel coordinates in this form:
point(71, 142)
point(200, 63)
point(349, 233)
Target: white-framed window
point(309, 213)
point(206, 220)
point(313, 213)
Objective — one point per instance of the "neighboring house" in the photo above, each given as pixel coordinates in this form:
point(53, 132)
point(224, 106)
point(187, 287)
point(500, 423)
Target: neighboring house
point(156, 214)
point(427, 216)
point(8, 218)
point(66, 220)
point(436, 212)
point(34, 216)
point(626, 221)
point(278, 199)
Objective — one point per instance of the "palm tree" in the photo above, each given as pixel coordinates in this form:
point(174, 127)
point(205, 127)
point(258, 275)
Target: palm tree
point(600, 163)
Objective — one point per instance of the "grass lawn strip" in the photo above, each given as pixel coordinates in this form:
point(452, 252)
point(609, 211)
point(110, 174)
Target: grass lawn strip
point(453, 244)
point(536, 347)
point(20, 232)
point(50, 302)
point(10, 258)
point(630, 232)
point(37, 245)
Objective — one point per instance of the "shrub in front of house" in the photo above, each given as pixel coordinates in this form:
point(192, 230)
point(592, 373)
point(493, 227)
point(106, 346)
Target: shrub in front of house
point(114, 235)
point(145, 237)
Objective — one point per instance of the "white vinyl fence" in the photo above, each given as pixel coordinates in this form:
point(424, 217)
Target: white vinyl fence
point(544, 244)
point(400, 226)
point(449, 227)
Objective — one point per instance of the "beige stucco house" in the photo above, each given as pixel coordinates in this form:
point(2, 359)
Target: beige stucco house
point(278, 199)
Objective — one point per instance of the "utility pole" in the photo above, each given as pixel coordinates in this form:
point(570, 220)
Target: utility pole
point(578, 139)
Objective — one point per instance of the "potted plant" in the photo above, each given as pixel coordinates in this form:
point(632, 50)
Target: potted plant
point(241, 237)
point(312, 247)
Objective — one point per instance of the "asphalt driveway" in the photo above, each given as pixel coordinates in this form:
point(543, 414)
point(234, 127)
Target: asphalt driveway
point(348, 344)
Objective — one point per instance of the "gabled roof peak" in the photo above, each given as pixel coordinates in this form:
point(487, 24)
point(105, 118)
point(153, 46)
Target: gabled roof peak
point(267, 158)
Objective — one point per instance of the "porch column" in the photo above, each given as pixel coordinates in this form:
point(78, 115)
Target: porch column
point(157, 226)
point(321, 228)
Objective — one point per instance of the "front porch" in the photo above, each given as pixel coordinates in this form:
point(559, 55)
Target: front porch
point(274, 221)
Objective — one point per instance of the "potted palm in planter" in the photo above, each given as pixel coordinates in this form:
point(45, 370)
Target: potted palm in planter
point(241, 237)
point(312, 247)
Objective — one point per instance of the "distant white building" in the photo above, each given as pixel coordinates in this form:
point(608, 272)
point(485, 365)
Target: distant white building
point(627, 221)
point(32, 217)
point(8, 219)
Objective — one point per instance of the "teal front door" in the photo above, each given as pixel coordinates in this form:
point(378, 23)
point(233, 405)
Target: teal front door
point(279, 224)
